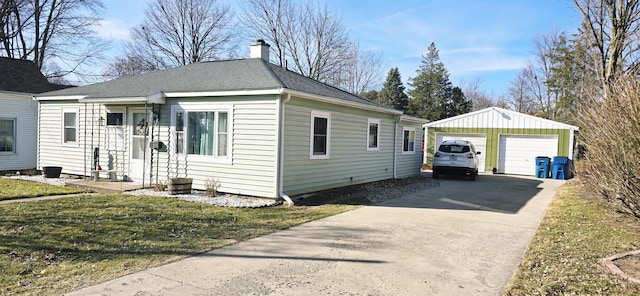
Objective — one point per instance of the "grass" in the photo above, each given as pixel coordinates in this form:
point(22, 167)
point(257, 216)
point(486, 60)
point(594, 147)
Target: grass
point(15, 189)
point(564, 257)
point(52, 246)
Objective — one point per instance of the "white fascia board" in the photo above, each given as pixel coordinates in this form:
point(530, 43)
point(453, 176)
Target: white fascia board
point(413, 119)
point(114, 100)
point(187, 94)
point(156, 98)
point(59, 98)
point(330, 100)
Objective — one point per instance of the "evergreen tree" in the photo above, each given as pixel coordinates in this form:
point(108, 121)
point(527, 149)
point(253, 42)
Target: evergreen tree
point(392, 93)
point(371, 95)
point(458, 104)
point(431, 88)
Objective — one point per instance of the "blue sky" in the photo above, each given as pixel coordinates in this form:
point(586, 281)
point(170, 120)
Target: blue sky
point(486, 39)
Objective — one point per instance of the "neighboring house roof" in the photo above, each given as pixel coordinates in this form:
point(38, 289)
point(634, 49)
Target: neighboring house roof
point(494, 117)
point(23, 76)
point(252, 74)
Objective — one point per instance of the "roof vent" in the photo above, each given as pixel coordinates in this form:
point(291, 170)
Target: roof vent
point(260, 49)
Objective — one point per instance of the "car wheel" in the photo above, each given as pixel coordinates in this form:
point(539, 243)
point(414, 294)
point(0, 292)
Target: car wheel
point(436, 174)
point(472, 176)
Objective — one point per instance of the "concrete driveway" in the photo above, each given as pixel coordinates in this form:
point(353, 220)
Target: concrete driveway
point(460, 238)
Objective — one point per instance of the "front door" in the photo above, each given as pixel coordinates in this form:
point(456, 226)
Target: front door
point(139, 154)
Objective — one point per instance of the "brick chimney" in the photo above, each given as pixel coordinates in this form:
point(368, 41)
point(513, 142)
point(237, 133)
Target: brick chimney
point(260, 49)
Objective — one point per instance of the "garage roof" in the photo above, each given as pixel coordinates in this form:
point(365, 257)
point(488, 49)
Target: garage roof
point(494, 117)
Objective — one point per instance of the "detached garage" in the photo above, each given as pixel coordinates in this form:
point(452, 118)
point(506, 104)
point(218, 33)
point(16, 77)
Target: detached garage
point(508, 141)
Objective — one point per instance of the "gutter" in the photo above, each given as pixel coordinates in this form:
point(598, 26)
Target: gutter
point(287, 199)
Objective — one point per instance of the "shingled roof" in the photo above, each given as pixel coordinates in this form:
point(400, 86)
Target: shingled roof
point(252, 74)
point(23, 76)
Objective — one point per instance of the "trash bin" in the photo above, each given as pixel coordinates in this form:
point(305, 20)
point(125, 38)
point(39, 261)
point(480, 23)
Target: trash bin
point(542, 167)
point(560, 168)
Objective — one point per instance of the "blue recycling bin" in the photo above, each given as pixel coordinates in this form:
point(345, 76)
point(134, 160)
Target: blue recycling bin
point(560, 168)
point(542, 167)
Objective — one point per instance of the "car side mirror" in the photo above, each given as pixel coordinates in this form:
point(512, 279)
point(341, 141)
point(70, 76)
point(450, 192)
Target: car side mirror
point(478, 152)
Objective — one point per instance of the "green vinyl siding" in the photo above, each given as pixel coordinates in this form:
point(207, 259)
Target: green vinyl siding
point(493, 138)
point(253, 147)
point(349, 161)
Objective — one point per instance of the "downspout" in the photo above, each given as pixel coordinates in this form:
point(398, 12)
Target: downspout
point(395, 147)
point(425, 136)
point(85, 141)
point(287, 199)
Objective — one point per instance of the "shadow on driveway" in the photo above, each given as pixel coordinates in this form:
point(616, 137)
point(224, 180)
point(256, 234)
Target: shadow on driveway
point(495, 193)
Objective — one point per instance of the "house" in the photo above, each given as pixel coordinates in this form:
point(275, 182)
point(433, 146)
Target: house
point(257, 128)
point(19, 113)
point(508, 141)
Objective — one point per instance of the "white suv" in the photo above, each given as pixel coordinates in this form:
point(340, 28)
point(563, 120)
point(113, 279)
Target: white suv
point(456, 157)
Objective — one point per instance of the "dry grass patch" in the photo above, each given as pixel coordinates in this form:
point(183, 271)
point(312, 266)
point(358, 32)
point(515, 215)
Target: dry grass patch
point(15, 189)
point(564, 257)
point(52, 246)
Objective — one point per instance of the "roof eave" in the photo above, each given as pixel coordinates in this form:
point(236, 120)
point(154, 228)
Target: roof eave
point(330, 100)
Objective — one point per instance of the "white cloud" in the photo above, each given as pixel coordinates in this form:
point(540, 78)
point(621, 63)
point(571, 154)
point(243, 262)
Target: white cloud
point(112, 29)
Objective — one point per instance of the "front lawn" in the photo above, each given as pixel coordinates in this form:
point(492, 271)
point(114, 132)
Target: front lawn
point(52, 246)
point(15, 189)
point(564, 257)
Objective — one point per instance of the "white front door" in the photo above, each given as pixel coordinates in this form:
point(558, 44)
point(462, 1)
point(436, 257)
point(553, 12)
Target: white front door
point(139, 152)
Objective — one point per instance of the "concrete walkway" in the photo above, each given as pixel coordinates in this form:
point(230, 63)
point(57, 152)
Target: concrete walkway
point(461, 238)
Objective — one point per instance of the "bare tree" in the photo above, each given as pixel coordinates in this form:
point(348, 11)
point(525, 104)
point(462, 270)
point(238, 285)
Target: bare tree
point(311, 40)
point(612, 29)
point(359, 72)
point(51, 32)
point(128, 66)
point(479, 98)
point(180, 32)
point(522, 91)
point(609, 131)
point(269, 20)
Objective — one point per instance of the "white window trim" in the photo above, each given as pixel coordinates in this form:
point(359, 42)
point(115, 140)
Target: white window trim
point(410, 129)
point(15, 136)
point(320, 114)
point(76, 143)
point(204, 108)
point(369, 122)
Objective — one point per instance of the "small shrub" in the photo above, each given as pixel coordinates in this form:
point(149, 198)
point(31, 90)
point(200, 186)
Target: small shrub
point(212, 185)
point(160, 187)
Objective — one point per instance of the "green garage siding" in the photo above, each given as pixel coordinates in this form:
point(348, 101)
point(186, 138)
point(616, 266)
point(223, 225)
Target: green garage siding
point(493, 123)
point(493, 137)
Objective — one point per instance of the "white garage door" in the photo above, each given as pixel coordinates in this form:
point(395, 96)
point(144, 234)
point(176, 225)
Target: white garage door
point(517, 153)
point(478, 140)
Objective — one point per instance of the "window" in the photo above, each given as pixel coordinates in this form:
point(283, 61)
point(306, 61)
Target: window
point(7, 135)
point(373, 135)
point(115, 119)
point(408, 140)
point(114, 139)
point(179, 132)
point(320, 135)
point(201, 132)
point(70, 127)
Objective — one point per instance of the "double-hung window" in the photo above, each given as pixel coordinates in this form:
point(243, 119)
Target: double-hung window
point(373, 135)
point(70, 127)
point(408, 140)
point(320, 140)
point(7, 135)
point(203, 132)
